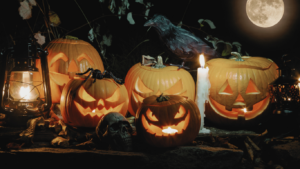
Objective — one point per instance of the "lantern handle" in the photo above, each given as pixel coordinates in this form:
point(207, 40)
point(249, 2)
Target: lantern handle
point(238, 56)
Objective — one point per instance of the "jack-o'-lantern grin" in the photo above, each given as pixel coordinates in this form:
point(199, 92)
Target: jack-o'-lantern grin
point(100, 110)
point(236, 108)
point(158, 127)
point(141, 91)
point(97, 106)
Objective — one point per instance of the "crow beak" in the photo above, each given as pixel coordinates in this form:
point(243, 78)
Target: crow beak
point(149, 23)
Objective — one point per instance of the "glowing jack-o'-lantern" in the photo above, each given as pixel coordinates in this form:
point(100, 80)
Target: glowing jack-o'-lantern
point(167, 123)
point(144, 81)
point(84, 103)
point(66, 58)
point(239, 94)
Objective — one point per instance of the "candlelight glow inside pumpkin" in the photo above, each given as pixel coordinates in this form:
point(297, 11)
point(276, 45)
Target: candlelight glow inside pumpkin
point(239, 84)
point(150, 120)
point(144, 81)
point(167, 123)
point(83, 105)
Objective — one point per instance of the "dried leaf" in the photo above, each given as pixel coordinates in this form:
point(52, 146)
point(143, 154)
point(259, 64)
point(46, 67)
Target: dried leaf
point(32, 2)
point(25, 10)
point(147, 13)
point(148, 60)
point(209, 22)
point(40, 38)
point(97, 29)
point(237, 45)
point(139, 1)
point(130, 19)
point(61, 142)
point(180, 24)
point(227, 49)
point(112, 6)
point(91, 35)
point(101, 1)
point(15, 146)
point(107, 40)
point(53, 19)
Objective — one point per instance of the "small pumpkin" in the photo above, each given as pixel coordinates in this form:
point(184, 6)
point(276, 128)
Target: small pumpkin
point(66, 58)
point(84, 103)
point(144, 81)
point(239, 94)
point(168, 121)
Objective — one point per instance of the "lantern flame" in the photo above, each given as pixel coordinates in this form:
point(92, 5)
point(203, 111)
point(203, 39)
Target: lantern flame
point(202, 61)
point(169, 130)
point(25, 92)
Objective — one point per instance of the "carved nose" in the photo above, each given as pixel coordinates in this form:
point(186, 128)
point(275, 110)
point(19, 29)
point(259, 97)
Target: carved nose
point(73, 66)
point(239, 101)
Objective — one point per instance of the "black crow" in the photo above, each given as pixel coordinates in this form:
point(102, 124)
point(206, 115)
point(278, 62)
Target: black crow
point(181, 42)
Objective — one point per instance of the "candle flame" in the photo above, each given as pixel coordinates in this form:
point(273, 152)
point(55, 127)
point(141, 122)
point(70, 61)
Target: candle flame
point(94, 111)
point(245, 110)
point(169, 130)
point(25, 92)
point(202, 61)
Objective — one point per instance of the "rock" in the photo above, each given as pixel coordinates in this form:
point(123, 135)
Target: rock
point(288, 155)
point(201, 156)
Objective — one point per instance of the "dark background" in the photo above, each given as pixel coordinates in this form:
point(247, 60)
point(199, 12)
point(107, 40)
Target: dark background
point(229, 17)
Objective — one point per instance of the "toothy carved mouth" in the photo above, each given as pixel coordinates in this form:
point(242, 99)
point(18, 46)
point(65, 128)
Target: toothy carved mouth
point(157, 131)
point(257, 109)
point(98, 112)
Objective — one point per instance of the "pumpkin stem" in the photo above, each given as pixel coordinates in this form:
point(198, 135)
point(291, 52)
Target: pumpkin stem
point(162, 98)
point(159, 63)
point(238, 56)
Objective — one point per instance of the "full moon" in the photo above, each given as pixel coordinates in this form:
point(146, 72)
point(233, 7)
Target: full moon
point(265, 13)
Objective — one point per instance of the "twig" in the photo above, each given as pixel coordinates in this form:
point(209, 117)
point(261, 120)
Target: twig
point(185, 10)
point(93, 31)
point(253, 144)
point(137, 46)
point(249, 150)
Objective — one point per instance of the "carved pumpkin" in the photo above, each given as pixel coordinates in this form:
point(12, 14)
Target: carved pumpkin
point(144, 81)
point(239, 90)
point(171, 122)
point(67, 57)
point(83, 104)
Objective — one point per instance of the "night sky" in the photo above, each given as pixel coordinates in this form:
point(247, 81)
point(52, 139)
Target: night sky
point(229, 17)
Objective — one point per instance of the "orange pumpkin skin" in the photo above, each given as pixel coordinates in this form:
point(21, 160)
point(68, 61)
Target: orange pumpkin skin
point(178, 113)
point(144, 81)
point(79, 99)
point(67, 57)
point(236, 85)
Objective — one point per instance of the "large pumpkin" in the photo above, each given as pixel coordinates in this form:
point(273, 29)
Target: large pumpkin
point(171, 122)
point(84, 103)
point(67, 57)
point(239, 95)
point(144, 81)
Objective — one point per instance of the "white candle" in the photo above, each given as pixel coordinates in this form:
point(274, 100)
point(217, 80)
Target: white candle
point(203, 85)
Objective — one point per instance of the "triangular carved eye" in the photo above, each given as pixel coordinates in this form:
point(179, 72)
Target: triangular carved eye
point(85, 96)
point(180, 113)
point(150, 115)
point(226, 89)
point(115, 97)
point(175, 89)
point(140, 87)
point(251, 88)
